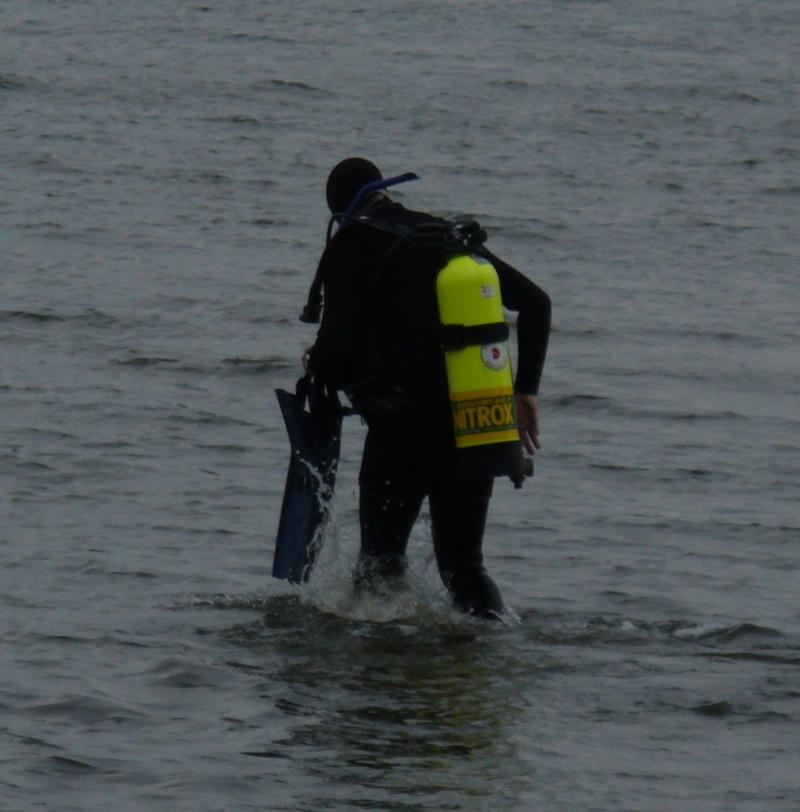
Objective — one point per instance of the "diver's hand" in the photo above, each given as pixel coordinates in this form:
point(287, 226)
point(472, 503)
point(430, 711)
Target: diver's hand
point(528, 420)
point(307, 356)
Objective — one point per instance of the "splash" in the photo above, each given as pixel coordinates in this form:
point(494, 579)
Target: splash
point(420, 598)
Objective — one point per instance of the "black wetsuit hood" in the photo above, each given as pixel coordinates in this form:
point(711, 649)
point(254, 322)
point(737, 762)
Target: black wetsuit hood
point(346, 180)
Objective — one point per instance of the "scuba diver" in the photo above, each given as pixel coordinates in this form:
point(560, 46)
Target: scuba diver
point(381, 342)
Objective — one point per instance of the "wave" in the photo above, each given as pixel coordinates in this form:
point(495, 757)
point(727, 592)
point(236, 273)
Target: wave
point(587, 402)
point(510, 84)
point(145, 361)
point(87, 709)
point(8, 81)
point(223, 601)
point(764, 641)
point(251, 366)
point(714, 708)
point(791, 189)
point(238, 118)
point(92, 317)
point(617, 468)
point(174, 672)
point(753, 656)
point(233, 365)
point(728, 634)
point(30, 315)
point(286, 84)
point(582, 400)
point(699, 416)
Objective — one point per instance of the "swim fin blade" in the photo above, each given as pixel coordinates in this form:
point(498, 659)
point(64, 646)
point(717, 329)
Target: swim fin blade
point(313, 418)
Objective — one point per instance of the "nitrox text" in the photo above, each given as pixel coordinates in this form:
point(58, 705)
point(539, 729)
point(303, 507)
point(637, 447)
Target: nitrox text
point(484, 414)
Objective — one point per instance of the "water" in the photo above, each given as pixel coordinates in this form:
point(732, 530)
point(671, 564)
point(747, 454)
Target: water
point(161, 170)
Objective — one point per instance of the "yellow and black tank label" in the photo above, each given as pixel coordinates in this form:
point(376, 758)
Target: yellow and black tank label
point(484, 417)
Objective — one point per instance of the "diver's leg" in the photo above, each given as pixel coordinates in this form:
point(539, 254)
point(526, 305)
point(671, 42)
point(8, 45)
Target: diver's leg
point(389, 503)
point(386, 523)
point(458, 515)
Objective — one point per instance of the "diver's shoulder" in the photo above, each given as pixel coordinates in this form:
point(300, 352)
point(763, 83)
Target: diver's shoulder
point(396, 214)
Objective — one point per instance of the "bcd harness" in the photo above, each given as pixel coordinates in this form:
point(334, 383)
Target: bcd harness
point(473, 337)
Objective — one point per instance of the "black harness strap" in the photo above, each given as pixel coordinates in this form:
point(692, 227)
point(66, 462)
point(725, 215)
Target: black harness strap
point(458, 336)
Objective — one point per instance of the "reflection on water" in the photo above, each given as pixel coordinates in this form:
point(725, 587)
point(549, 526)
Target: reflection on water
point(435, 711)
point(399, 710)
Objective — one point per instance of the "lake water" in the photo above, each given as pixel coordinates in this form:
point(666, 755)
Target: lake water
point(162, 168)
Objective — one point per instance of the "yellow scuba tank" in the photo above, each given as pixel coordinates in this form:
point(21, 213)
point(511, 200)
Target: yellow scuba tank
point(475, 343)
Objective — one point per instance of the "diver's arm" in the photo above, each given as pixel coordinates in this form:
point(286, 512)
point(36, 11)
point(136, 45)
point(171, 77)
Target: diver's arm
point(533, 323)
point(336, 346)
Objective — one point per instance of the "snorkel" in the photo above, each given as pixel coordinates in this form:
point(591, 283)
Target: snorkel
point(384, 183)
point(313, 307)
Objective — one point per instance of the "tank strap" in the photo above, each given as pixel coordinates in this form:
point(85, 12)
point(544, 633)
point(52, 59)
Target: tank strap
point(458, 336)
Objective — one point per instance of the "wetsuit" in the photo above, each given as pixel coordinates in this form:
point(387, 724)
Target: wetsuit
point(379, 340)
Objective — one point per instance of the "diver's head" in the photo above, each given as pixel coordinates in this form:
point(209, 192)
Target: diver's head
point(347, 179)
